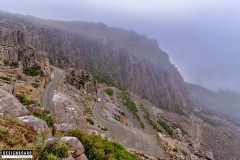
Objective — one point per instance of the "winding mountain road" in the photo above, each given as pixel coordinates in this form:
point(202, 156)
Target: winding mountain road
point(51, 86)
point(130, 137)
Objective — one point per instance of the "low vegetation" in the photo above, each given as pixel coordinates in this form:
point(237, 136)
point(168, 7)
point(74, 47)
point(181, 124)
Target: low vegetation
point(11, 63)
point(16, 135)
point(14, 64)
point(90, 121)
point(35, 85)
point(45, 115)
point(98, 148)
point(148, 119)
point(104, 129)
point(33, 71)
point(179, 111)
point(6, 63)
point(129, 103)
point(53, 151)
point(165, 126)
point(101, 76)
point(5, 78)
point(24, 100)
point(117, 117)
point(109, 91)
point(207, 119)
point(175, 126)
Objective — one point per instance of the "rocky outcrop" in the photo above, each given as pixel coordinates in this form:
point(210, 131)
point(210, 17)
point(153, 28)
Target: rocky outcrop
point(74, 146)
point(13, 47)
point(67, 114)
point(15, 38)
point(209, 155)
point(10, 105)
point(81, 80)
point(37, 124)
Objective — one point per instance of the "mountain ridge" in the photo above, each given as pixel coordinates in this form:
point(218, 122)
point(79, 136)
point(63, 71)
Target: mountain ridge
point(120, 58)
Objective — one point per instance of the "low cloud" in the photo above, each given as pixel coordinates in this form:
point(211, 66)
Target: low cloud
point(202, 37)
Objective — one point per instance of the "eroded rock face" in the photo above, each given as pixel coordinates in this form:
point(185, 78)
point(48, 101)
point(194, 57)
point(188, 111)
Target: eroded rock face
point(67, 114)
point(15, 38)
point(10, 105)
point(37, 124)
point(13, 47)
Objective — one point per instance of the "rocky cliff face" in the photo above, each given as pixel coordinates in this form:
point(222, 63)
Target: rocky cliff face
point(81, 80)
point(14, 48)
point(115, 56)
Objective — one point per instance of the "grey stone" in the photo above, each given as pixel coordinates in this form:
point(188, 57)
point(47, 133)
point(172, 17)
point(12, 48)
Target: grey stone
point(10, 105)
point(37, 124)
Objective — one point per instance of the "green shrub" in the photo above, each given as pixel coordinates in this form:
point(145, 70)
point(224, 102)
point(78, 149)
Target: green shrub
point(104, 129)
point(165, 126)
point(101, 76)
point(109, 91)
point(53, 151)
point(180, 111)
point(181, 128)
point(33, 71)
point(129, 103)
point(45, 116)
point(90, 121)
point(49, 156)
point(148, 119)
point(14, 64)
point(35, 85)
point(6, 63)
point(23, 99)
point(98, 148)
point(15, 134)
point(175, 150)
point(5, 78)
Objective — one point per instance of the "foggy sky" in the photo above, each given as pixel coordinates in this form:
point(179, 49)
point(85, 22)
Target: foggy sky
point(202, 37)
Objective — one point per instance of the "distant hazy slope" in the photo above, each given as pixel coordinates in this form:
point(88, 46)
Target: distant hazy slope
point(224, 104)
point(131, 60)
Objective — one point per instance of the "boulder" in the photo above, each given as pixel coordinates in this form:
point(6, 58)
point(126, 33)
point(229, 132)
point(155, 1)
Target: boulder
point(75, 146)
point(10, 105)
point(35, 108)
point(67, 114)
point(209, 155)
point(178, 134)
point(172, 154)
point(37, 124)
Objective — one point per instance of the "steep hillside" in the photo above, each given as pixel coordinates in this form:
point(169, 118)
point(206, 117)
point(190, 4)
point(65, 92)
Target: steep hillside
point(223, 104)
point(115, 56)
point(220, 112)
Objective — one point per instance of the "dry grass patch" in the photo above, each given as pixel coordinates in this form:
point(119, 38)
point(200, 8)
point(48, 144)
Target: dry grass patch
point(16, 135)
